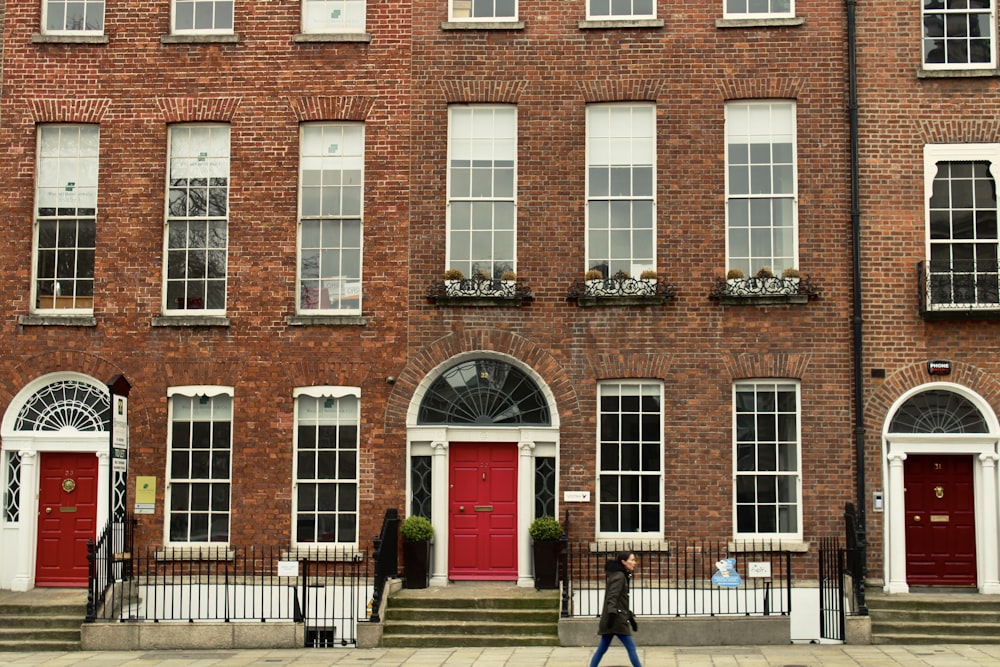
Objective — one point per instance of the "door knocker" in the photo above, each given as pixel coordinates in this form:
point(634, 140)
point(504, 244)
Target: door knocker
point(939, 492)
point(68, 485)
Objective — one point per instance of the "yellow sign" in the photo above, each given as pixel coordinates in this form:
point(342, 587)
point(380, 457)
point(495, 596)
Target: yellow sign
point(145, 490)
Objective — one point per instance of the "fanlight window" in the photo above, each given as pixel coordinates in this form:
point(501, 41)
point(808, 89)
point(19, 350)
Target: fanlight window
point(484, 391)
point(938, 411)
point(66, 405)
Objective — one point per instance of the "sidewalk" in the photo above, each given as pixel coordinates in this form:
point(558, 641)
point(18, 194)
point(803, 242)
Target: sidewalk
point(797, 655)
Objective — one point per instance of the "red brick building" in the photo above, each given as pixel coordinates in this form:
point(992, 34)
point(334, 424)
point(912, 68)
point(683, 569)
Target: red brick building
point(271, 205)
point(928, 97)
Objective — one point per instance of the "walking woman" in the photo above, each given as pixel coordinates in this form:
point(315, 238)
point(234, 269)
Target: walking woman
point(617, 616)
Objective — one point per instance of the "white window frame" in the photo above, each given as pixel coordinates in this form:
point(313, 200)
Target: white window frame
point(49, 13)
point(615, 144)
point(207, 394)
point(198, 4)
point(752, 13)
point(747, 128)
point(992, 22)
point(455, 6)
point(472, 134)
point(186, 156)
point(641, 388)
point(937, 153)
point(339, 16)
point(592, 14)
point(334, 150)
point(67, 168)
point(334, 395)
point(796, 475)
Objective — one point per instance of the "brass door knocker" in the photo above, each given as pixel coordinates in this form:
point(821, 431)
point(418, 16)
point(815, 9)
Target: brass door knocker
point(939, 492)
point(68, 485)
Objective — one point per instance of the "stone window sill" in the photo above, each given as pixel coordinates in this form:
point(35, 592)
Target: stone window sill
point(200, 39)
point(57, 321)
point(191, 321)
point(69, 39)
point(327, 320)
point(483, 25)
point(312, 38)
point(591, 24)
point(789, 22)
point(956, 73)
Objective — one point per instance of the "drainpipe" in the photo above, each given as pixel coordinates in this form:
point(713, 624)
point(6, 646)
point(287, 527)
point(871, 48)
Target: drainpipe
point(859, 424)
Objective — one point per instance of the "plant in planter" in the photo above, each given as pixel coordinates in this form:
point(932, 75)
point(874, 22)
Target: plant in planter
point(453, 281)
point(735, 274)
point(648, 281)
point(509, 276)
point(594, 282)
point(546, 533)
point(417, 532)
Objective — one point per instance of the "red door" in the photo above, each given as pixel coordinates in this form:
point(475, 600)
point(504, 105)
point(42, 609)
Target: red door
point(67, 518)
point(482, 511)
point(940, 521)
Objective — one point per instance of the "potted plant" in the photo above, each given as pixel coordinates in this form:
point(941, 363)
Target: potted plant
point(509, 276)
point(791, 276)
point(594, 282)
point(417, 532)
point(648, 278)
point(453, 281)
point(546, 533)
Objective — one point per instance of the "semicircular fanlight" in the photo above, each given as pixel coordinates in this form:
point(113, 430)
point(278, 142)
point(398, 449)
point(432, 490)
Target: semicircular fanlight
point(65, 405)
point(484, 392)
point(938, 411)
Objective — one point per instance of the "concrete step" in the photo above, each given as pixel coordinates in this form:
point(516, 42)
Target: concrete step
point(453, 641)
point(471, 628)
point(927, 618)
point(38, 646)
point(497, 615)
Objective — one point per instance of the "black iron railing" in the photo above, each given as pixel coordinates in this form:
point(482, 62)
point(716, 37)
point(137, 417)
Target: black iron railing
point(109, 559)
point(857, 544)
point(621, 287)
point(327, 592)
point(683, 581)
point(954, 288)
point(831, 589)
point(386, 558)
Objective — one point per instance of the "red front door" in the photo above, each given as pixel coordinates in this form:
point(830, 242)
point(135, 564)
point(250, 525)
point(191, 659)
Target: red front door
point(67, 518)
point(482, 508)
point(940, 521)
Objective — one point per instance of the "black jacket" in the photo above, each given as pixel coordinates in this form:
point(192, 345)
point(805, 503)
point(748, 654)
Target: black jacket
point(616, 612)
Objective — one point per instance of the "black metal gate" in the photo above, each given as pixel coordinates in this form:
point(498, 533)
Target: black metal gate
point(831, 590)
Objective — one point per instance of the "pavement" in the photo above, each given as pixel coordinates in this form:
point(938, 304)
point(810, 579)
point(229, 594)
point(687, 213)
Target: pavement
point(793, 655)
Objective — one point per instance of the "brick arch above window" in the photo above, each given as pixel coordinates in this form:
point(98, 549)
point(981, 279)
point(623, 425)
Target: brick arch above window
point(339, 107)
point(68, 111)
point(198, 109)
point(630, 365)
point(958, 131)
point(483, 92)
point(781, 365)
point(621, 90)
point(759, 88)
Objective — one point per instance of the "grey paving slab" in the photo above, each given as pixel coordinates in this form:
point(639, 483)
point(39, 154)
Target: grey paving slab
point(795, 655)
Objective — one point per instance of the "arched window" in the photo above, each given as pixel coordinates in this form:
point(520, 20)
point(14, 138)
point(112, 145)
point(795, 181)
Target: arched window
point(485, 392)
point(938, 411)
point(65, 405)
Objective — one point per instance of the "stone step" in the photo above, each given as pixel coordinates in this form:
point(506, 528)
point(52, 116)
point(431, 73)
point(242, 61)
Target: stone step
point(38, 646)
point(470, 628)
point(39, 621)
point(913, 638)
point(498, 615)
point(453, 641)
point(546, 603)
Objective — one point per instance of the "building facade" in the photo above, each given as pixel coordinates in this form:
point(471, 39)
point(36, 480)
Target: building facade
point(928, 98)
point(480, 261)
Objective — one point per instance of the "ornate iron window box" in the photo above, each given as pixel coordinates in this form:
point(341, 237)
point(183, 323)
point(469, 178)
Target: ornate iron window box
point(480, 292)
point(958, 291)
point(620, 292)
point(763, 291)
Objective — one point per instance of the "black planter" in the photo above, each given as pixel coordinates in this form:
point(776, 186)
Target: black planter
point(416, 563)
point(546, 553)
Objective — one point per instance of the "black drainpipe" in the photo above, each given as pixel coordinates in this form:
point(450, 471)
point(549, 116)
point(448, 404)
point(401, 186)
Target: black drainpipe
point(859, 413)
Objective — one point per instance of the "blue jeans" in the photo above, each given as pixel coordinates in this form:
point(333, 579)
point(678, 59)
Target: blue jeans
point(602, 648)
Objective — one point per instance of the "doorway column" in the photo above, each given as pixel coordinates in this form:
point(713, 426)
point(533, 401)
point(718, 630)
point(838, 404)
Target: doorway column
point(989, 583)
point(896, 580)
point(24, 575)
point(525, 512)
point(439, 513)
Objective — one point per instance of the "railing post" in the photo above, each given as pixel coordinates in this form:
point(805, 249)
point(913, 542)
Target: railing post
point(385, 554)
point(91, 582)
point(564, 556)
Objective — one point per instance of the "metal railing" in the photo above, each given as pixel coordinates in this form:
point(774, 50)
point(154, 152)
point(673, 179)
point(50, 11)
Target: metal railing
point(385, 555)
point(955, 287)
point(108, 560)
point(831, 589)
point(327, 593)
point(684, 581)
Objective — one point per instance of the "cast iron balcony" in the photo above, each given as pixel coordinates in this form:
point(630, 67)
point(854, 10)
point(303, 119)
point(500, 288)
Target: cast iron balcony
point(959, 290)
